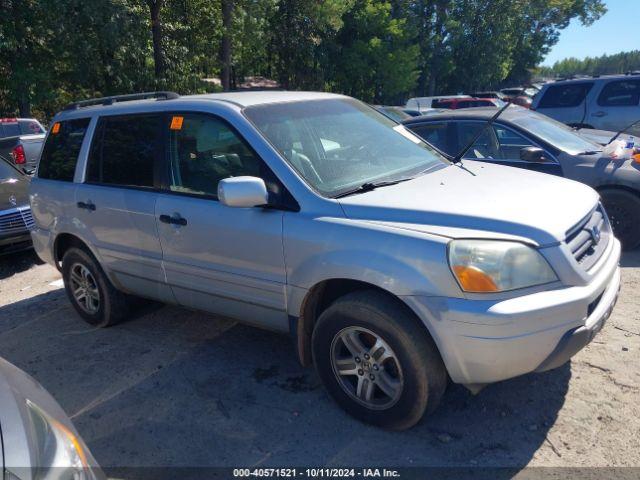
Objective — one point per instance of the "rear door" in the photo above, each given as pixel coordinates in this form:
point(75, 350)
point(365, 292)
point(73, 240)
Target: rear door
point(617, 105)
point(225, 260)
point(115, 204)
point(566, 102)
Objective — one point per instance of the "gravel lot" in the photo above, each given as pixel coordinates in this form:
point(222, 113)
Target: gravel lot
point(173, 387)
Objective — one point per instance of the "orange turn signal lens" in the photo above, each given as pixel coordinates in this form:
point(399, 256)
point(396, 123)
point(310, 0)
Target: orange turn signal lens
point(55, 128)
point(472, 279)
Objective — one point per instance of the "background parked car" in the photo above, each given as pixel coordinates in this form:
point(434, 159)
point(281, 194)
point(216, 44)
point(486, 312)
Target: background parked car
point(525, 139)
point(396, 113)
point(21, 141)
point(37, 436)
point(513, 92)
point(488, 94)
point(605, 103)
point(457, 103)
point(423, 104)
point(15, 212)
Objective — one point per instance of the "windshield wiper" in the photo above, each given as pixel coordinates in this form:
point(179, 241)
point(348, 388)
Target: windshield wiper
point(368, 186)
point(622, 131)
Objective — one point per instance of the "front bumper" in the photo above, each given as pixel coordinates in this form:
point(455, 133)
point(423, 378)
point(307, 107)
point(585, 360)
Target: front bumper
point(485, 341)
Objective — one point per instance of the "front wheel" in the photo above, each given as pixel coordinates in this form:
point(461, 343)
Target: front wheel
point(377, 361)
point(623, 209)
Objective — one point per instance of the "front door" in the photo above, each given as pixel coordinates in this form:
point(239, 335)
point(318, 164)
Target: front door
point(225, 260)
point(502, 145)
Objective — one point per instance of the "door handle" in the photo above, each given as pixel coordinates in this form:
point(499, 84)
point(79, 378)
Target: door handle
point(87, 205)
point(599, 114)
point(173, 220)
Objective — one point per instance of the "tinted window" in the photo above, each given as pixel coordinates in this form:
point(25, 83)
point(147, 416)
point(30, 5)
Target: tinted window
point(436, 134)
point(202, 151)
point(564, 96)
point(9, 129)
point(124, 150)
point(623, 93)
point(60, 153)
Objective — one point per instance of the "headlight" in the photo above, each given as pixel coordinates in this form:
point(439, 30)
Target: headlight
point(483, 266)
point(59, 449)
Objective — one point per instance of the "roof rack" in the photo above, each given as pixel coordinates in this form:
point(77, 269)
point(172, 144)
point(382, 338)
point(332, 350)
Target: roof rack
point(122, 98)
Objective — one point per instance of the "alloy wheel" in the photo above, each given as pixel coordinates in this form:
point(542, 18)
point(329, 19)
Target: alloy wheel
point(366, 368)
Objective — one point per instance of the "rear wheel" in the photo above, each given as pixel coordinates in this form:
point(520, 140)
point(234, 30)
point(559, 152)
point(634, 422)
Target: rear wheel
point(90, 291)
point(377, 361)
point(623, 209)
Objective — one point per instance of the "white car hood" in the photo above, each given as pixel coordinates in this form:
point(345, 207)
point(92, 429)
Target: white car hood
point(484, 201)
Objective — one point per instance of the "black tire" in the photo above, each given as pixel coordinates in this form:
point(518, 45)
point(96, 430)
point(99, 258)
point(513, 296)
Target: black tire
point(113, 305)
point(623, 209)
point(424, 374)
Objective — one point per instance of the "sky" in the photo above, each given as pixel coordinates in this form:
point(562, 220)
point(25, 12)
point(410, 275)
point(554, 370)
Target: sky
point(616, 31)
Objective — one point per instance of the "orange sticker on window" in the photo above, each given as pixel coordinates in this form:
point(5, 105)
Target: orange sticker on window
point(176, 123)
point(55, 128)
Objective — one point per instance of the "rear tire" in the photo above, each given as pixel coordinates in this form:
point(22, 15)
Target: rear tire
point(390, 385)
point(623, 209)
point(90, 292)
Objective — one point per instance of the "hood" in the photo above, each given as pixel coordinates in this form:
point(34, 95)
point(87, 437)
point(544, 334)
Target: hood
point(14, 187)
point(481, 201)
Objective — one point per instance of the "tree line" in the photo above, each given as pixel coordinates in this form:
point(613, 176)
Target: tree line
point(55, 51)
point(606, 64)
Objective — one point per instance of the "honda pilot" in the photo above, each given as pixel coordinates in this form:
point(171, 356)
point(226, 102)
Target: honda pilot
point(393, 269)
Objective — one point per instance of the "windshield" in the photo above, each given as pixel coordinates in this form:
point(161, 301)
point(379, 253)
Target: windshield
point(339, 144)
point(555, 133)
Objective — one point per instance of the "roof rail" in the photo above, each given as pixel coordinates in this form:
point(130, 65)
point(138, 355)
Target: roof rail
point(122, 98)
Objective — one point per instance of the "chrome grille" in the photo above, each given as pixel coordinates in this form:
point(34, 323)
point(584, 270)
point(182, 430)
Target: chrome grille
point(16, 220)
point(588, 240)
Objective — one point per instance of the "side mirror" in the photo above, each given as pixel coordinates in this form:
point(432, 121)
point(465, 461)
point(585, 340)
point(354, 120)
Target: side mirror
point(243, 192)
point(532, 154)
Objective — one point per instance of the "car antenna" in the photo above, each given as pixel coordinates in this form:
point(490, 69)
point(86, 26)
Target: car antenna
point(458, 157)
point(621, 132)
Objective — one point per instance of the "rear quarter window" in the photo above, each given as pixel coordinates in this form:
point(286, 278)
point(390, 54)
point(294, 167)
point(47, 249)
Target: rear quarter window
point(621, 93)
point(565, 96)
point(61, 150)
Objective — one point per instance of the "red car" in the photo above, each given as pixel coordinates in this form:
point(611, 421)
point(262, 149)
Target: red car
point(457, 103)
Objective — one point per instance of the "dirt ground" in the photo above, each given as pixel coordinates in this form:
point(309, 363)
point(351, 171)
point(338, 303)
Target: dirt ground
point(173, 387)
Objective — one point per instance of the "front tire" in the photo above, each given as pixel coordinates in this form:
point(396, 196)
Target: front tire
point(376, 361)
point(90, 292)
point(623, 209)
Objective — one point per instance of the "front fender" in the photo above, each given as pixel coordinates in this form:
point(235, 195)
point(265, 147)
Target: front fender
point(402, 262)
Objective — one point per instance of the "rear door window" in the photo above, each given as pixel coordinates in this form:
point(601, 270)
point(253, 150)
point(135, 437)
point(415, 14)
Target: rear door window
point(622, 93)
point(61, 150)
point(125, 151)
point(565, 96)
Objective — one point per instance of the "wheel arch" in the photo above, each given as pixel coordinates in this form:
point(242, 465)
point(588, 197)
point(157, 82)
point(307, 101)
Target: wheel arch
point(323, 294)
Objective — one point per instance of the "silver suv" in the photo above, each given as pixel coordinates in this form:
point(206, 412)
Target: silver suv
point(609, 102)
point(313, 214)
